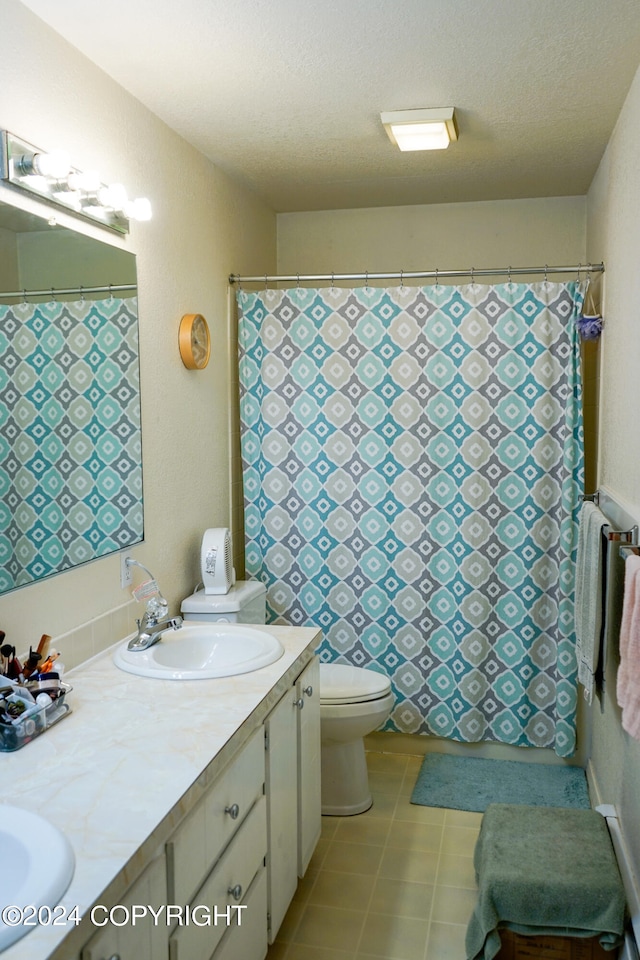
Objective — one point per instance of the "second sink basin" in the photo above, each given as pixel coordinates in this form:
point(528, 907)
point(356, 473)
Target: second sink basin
point(37, 867)
point(202, 651)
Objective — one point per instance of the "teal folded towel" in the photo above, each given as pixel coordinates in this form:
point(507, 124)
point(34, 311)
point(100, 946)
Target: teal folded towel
point(544, 870)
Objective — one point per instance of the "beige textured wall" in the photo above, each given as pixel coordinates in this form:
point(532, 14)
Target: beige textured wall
point(614, 235)
point(8, 260)
point(447, 236)
point(204, 227)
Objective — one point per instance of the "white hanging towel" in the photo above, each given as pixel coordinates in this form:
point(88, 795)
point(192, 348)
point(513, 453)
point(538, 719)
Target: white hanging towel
point(588, 595)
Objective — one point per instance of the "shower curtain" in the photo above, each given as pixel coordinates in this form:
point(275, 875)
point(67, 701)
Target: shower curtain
point(413, 463)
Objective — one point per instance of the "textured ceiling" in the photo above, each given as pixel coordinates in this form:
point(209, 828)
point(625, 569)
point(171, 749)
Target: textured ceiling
point(285, 95)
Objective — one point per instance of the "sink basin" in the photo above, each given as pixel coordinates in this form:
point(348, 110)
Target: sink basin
point(37, 867)
point(201, 651)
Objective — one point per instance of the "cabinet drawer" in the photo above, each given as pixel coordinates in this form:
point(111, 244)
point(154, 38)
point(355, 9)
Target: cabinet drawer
point(248, 939)
point(236, 868)
point(203, 835)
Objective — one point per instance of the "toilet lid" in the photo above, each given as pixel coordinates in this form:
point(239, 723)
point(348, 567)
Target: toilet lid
point(342, 683)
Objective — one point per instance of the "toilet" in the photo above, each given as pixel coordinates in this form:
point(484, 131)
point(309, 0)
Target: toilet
point(353, 703)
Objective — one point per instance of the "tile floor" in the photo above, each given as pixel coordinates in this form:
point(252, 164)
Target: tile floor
point(394, 883)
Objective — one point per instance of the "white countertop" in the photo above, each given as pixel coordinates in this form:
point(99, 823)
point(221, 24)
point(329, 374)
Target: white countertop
point(111, 773)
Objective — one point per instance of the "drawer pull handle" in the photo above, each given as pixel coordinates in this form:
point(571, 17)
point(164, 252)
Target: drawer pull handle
point(233, 811)
point(308, 691)
point(299, 703)
point(235, 892)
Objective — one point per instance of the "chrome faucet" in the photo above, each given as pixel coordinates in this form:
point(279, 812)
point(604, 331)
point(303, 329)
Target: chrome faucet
point(155, 620)
point(150, 629)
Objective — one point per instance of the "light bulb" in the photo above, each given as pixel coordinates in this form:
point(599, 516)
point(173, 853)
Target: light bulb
point(87, 181)
point(55, 165)
point(138, 209)
point(114, 196)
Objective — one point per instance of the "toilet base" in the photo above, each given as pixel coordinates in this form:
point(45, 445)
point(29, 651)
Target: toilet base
point(345, 779)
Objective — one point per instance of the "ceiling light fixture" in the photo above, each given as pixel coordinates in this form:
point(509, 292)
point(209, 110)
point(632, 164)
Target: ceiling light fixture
point(421, 129)
point(51, 177)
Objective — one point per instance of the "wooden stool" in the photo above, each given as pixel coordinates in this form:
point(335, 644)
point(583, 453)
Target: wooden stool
point(545, 871)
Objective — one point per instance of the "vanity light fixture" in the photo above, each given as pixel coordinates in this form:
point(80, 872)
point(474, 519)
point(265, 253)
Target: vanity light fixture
point(51, 177)
point(421, 129)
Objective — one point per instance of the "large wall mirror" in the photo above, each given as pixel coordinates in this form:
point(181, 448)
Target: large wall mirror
point(70, 434)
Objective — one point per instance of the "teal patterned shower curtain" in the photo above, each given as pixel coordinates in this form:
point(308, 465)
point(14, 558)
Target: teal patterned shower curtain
point(413, 470)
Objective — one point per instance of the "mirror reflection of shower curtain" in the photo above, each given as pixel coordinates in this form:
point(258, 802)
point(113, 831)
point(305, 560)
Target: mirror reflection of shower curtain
point(70, 437)
point(413, 462)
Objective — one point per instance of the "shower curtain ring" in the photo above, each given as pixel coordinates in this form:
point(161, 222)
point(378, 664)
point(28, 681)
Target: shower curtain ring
point(298, 281)
point(473, 278)
point(402, 279)
point(436, 277)
point(509, 275)
point(332, 280)
point(24, 295)
point(579, 269)
point(81, 295)
point(546, 273)
point(53, 299)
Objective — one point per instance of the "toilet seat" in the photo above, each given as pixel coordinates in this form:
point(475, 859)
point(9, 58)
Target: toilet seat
point(343, 683)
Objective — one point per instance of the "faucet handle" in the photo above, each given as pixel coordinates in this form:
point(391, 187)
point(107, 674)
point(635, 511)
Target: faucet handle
point(157, 608)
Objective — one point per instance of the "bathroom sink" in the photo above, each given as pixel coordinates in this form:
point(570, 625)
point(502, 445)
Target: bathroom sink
point(37, 867)
point(201, 651)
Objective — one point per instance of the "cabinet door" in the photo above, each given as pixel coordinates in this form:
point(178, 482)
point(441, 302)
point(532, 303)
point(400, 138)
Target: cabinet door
point(144, 939)
point(282, 808)
point(309, 802)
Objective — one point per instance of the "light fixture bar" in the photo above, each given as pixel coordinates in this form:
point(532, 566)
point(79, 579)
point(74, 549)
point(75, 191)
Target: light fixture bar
point(421, 129)
point(50, 176)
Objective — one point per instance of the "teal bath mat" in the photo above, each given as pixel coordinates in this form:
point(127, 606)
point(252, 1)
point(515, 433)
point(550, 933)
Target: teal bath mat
point(470, 783)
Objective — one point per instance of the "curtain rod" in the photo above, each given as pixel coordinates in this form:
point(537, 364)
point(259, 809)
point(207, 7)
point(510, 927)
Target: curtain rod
point(423, 274)
point(61, 292)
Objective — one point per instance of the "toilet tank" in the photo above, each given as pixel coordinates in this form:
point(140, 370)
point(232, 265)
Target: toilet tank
point(245, 602)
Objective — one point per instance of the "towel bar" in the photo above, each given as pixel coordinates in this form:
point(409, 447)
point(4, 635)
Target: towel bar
point(629, 536)
point(629, 550)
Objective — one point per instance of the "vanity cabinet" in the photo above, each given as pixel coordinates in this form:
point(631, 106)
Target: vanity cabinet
point(293, 790)
point(230, 868)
